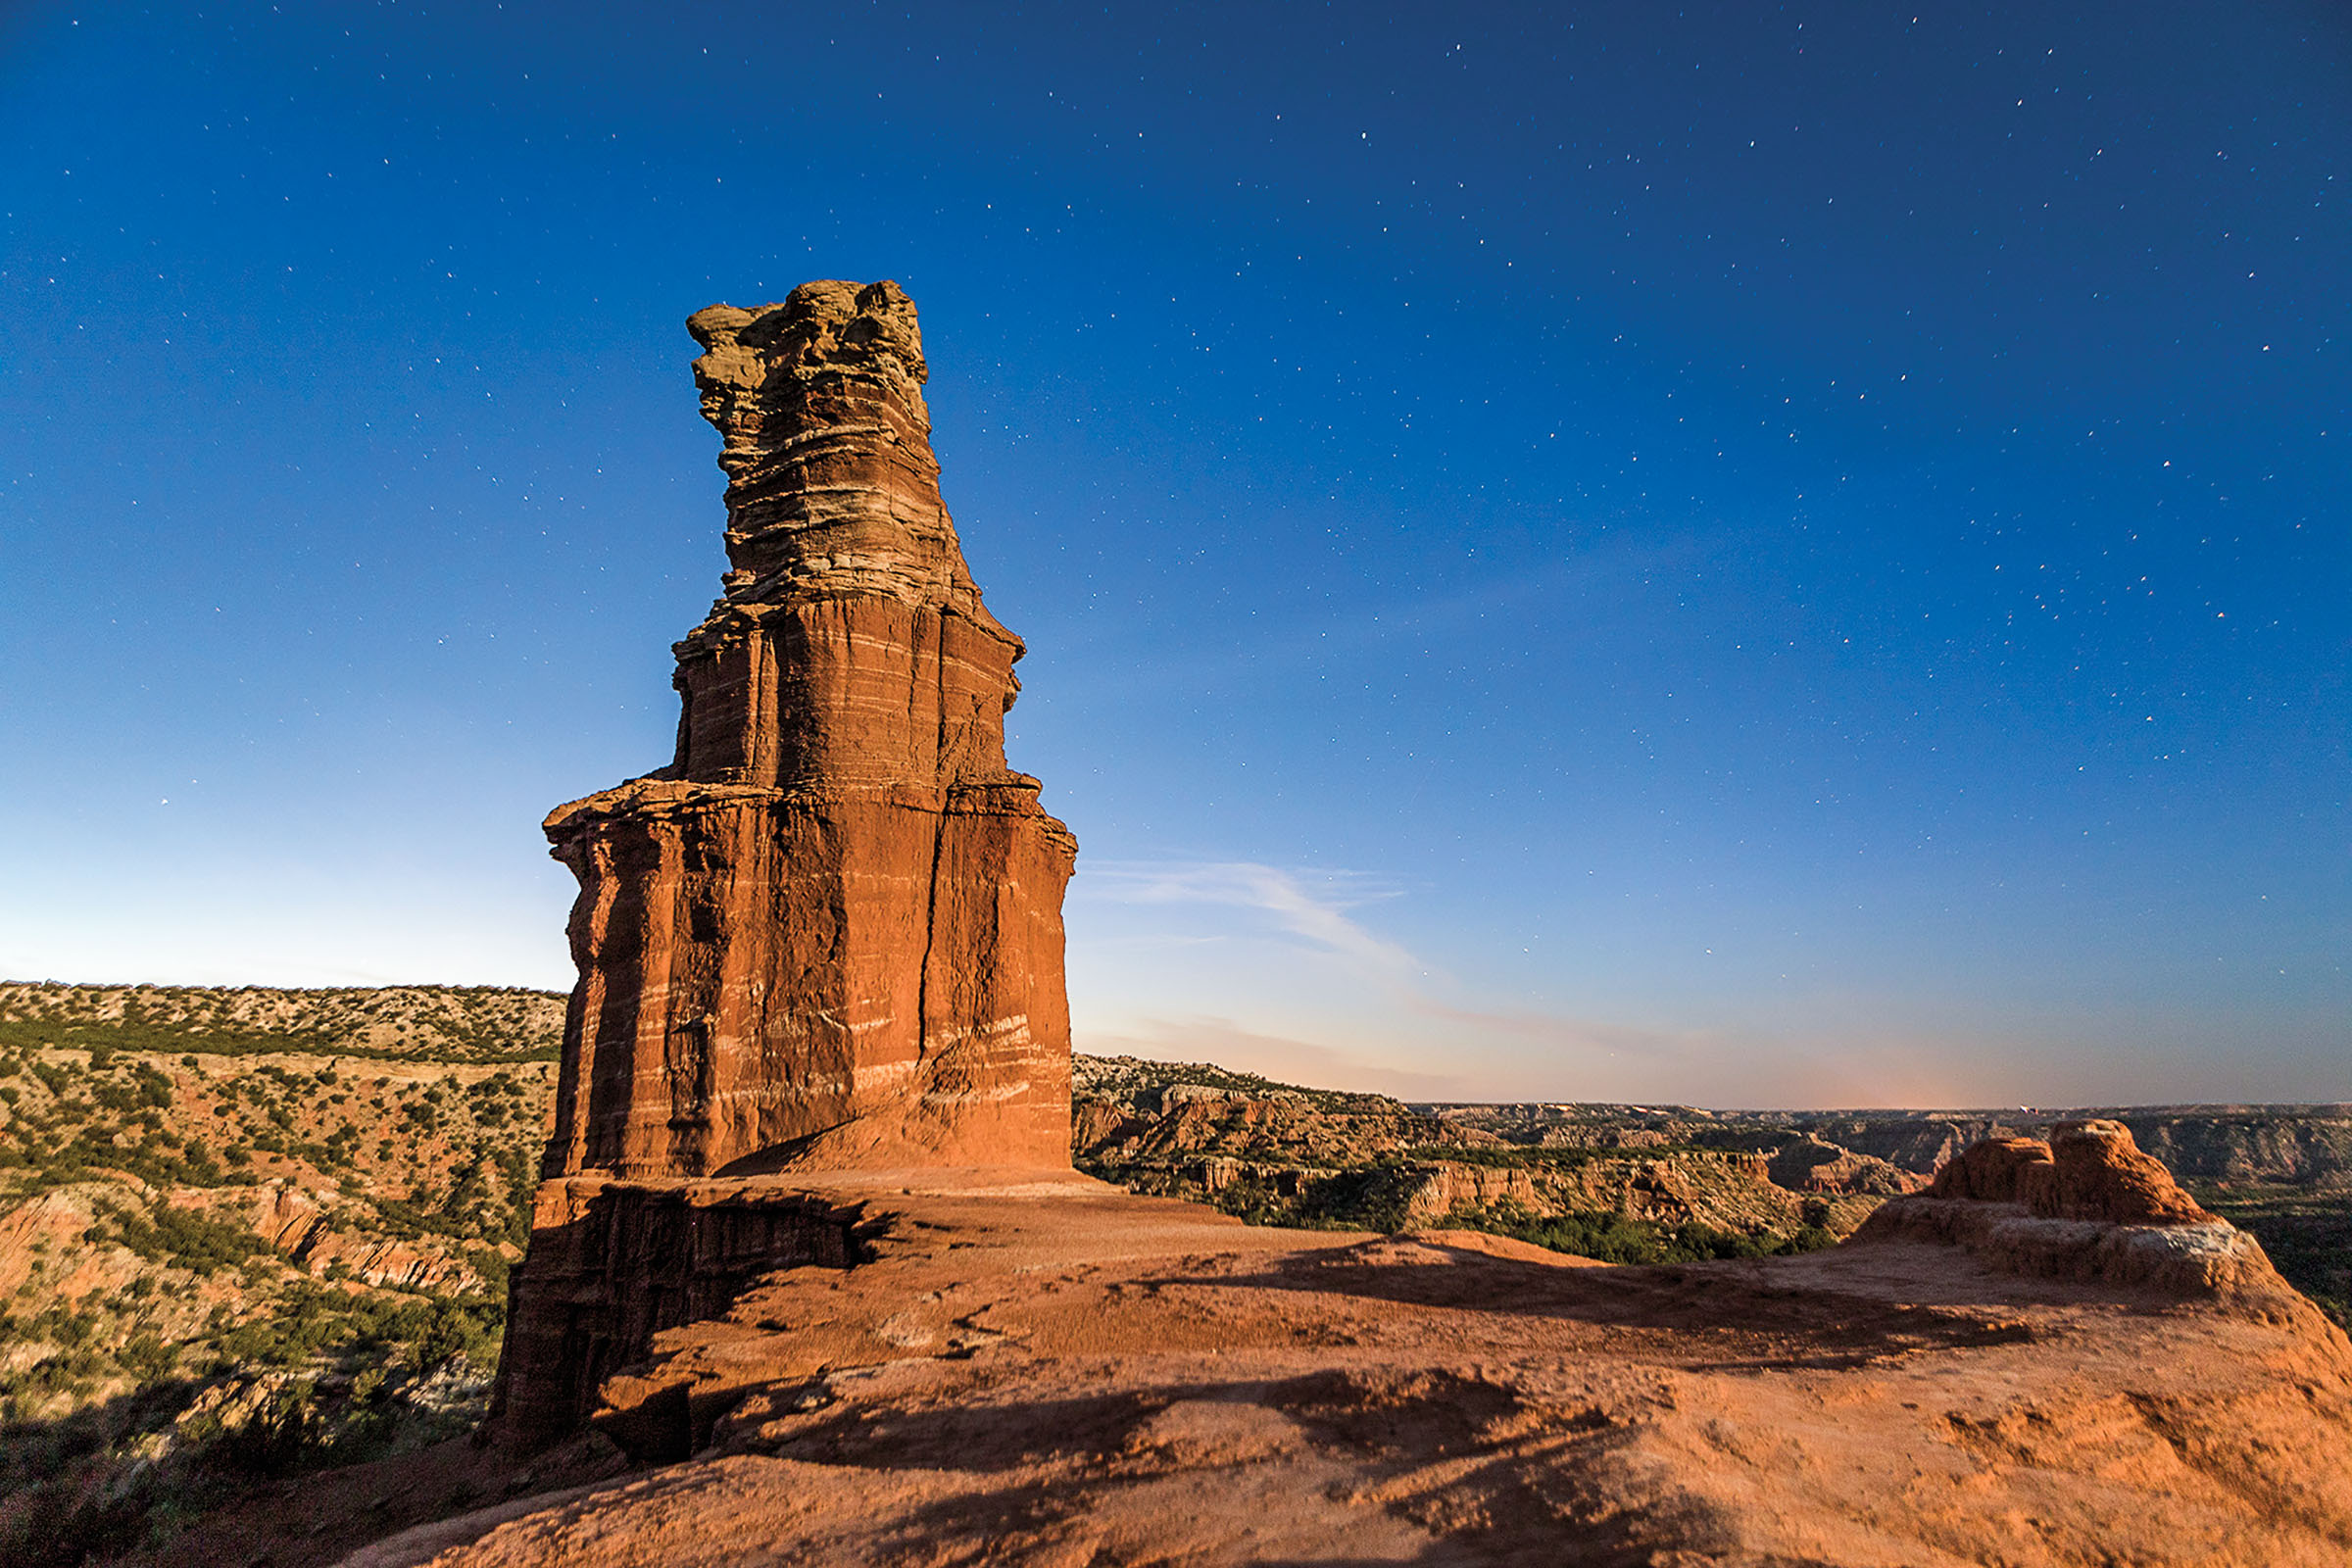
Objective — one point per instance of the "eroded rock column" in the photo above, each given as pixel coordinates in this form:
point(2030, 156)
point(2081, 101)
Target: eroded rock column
point(829, 934)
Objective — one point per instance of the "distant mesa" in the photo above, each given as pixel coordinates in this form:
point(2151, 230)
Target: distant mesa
point(828, 935)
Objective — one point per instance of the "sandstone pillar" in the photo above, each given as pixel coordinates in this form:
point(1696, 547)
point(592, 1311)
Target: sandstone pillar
point(828, 935)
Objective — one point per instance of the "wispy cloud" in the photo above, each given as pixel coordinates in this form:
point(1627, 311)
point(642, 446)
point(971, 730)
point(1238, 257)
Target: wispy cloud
point(1318, 909)
point(1393, 1013)
point(1585, 1035)
point(1311, 905)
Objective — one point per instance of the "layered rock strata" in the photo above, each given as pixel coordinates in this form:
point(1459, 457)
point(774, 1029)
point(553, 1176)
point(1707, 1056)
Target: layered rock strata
point(828, 935)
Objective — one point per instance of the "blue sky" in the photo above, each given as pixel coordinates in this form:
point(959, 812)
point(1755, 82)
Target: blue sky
point(1748, 556)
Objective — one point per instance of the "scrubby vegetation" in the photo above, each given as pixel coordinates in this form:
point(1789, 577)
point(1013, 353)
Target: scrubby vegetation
point(247, 1233)
point(398, 1023)
point(1611, 1238)
point(1128, 1078)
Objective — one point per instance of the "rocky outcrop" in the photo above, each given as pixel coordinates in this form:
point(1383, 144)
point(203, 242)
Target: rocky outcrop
point(613, 1263)
point(2089, 1170)
point(292, 1223)
point(1988, 1170)
point(1811, 1165)
point(1091, 1377)
point(828, 935)
point(1447, 1188)
point(2088, 1205)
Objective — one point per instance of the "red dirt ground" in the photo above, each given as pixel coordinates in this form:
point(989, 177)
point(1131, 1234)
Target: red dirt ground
point(1050, 1371)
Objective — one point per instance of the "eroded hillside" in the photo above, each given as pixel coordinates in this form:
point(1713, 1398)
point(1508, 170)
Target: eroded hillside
point(244, 1232)
point(1639, 1184)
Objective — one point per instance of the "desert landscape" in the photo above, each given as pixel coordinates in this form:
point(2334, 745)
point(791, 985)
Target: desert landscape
point(798, 1233)
point(227, 1384)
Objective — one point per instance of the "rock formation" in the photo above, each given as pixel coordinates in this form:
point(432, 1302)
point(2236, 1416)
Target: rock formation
point(2089, 1170)
point(2087, 1205)
point(828, 935)
point(824, 947)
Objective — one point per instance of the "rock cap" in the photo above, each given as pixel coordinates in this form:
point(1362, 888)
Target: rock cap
point(832, 486)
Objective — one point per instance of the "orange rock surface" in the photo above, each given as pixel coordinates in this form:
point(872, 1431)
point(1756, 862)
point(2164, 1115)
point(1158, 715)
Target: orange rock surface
point(1987, 1171)
point(1029, 1368)
point(2097, 1172)
point(829, 934)
point(2089, 1170)
point(811, 1254)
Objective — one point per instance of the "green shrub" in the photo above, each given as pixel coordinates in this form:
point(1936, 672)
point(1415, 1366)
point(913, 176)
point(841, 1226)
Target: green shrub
point(1610, 1237)
point(154, 1087)
point(185, 1238)
point(147, 1357)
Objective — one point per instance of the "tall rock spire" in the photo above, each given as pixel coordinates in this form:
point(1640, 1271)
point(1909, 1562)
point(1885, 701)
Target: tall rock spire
point(829, 934)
